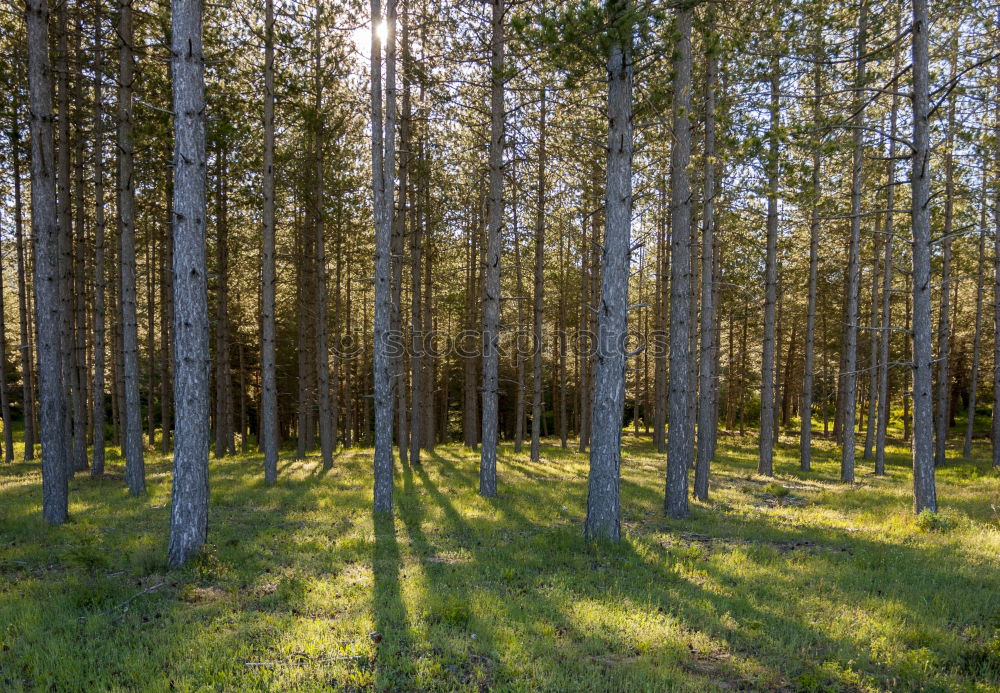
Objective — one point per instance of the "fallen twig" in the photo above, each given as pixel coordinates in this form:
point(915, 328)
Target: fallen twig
point(124, 604)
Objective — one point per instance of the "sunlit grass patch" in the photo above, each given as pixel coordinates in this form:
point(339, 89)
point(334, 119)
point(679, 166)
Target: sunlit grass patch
point(796, 582)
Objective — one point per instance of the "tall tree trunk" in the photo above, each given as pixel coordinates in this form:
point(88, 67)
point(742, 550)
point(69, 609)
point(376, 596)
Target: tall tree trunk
point(539, 294)
point(322, 351)
point(873, 344)
point(223, 373)
point(706, 403)
point(603, 487)
point(850, 376)
point(8, 427)
point(977, 336)
point(383, 175)
point(765, 463)
point(78, 327)
point(520, 404)
point(45, 234)
point(680, 432)
point(25, 349)
point(887, 271)
point(269, 383)
point(189, 502)
point(404, 410)
point(135, 473)
point(166, 318)
point(944, 333)
point(924, 491)
point(491, 285)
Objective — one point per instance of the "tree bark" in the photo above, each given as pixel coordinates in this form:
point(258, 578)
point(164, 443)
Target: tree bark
point(25, 349)
point(850, 376)
point(977, 337)
point(491, 285)
point(603, 519)
point(924, 491)
point(383, 175)
point(537, 409)
point(269, 383)
point(189, 501)
point(706, 403)
point(135, 474)
point(765, 463)
point(680, 432)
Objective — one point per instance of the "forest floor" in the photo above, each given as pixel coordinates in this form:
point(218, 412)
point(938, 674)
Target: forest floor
point(799, 583)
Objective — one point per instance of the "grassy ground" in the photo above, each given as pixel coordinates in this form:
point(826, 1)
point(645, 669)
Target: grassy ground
point(800, 584)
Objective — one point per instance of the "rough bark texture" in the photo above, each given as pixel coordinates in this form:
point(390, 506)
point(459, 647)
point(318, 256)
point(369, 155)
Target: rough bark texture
point(765, 462)
point(924, 491)
point(189, 501)
point(491, 285)
point(603, 486)
point(976, 339)
point(886, 324)
point(25, 348)
point(135, 474)
point(269, 383)
point(45, 235)
point(536, 365)
point(706, 403)
point(383, 170)
point(680, 432)
point(97, 466)
point(808, 376)
point(849, 373)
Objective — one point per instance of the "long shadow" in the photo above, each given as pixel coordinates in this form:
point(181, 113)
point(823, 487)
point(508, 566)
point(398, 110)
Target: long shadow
point(392, 635)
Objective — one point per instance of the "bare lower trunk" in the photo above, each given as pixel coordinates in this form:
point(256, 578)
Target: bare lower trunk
point(269, 386)
point(680, 432)
point(539, 297)
point(45, 235)
point(25, 349)
point(706, 403)
point(924, 491)
point(603, 487)
point(135, 474)
point(189, 500)
point(976, 339)
point(383, 175)
point(765, 463)
point(491, 285)
point(850, 376)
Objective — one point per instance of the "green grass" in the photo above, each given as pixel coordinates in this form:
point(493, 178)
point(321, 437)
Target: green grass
point(794, 584)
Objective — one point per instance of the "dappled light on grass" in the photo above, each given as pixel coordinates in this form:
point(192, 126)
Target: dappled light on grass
point(817, 587)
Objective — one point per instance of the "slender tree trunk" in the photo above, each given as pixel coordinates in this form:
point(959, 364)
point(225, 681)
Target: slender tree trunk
point(850, 376)
point(8, 427)
point(603, 487)
point(491, 286)
point(706, 403)
point(269, 391)
point(765, 464)
point(322, 348)
point(944, 333)
point(135, 474)
point(870, 425)
point(884, 341)
point(520, 404)
point(223, 371)
point(924, 491)
point(189, 502)
point(45, 234)
point(537, 408)
point(977, 337)
point(680, 433)
point(26, 357)
point(383, 175)
point(64, 214)
point(166, 319)
point(78, 320)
